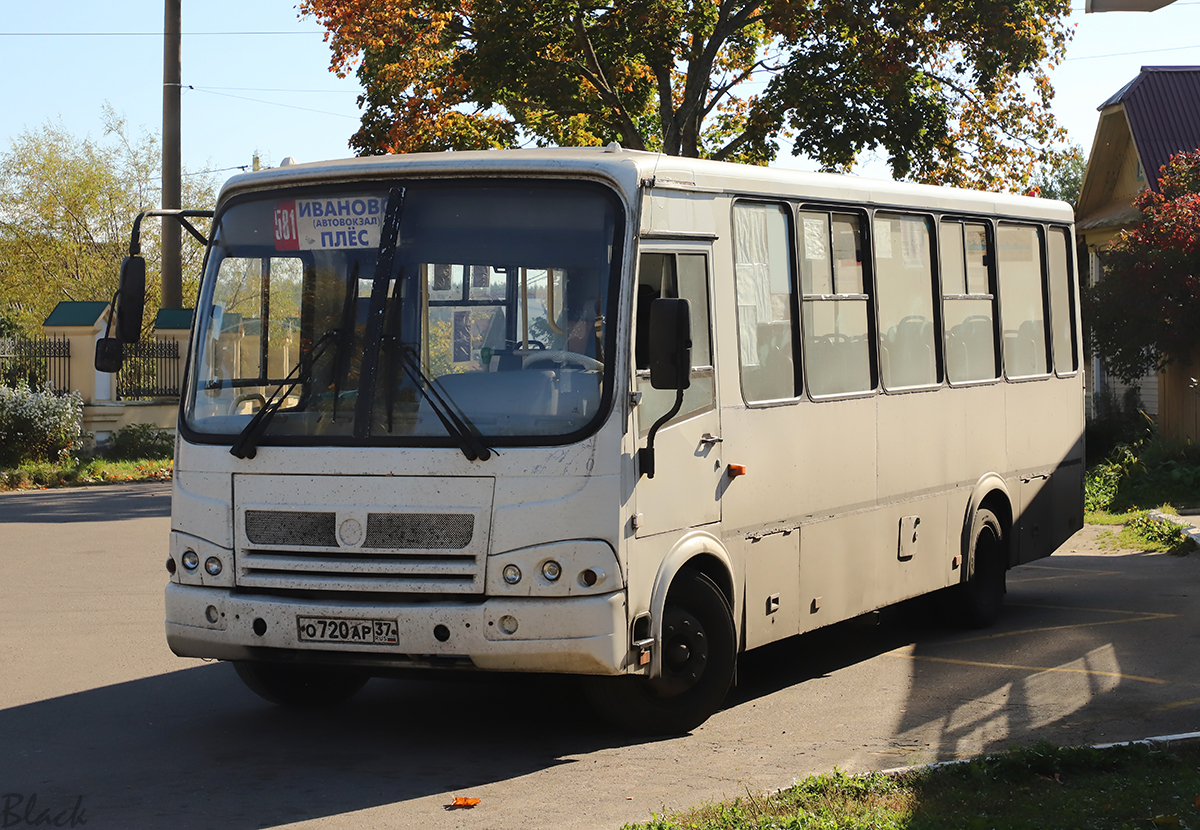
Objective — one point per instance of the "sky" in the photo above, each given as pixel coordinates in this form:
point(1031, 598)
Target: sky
point(256, 76)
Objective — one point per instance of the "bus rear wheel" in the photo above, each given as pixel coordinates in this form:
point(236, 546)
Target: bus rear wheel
point(699, 652)
point(300, 686)
point(981, 596)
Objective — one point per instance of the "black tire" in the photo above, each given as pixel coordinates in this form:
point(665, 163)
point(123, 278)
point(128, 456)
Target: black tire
point(300, 686)
point(981, 596)
point(699, 653)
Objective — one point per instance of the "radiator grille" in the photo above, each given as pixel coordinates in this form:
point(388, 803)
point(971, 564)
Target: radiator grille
point(416, 552)
point(430, 531)
point(291, 527)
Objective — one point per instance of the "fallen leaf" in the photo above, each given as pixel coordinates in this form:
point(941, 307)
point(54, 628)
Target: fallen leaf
point(1166, 821)
point(464, 801)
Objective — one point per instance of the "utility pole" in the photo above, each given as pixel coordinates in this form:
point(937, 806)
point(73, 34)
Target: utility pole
point(172, 268)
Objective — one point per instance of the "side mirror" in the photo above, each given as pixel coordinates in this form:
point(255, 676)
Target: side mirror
point(670, 344)
point(109, 356)
point(131, 299)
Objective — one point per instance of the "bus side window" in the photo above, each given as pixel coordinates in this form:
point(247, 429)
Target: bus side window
point(904, 297)
point(673, 276)
point(763, 270)
point(1062, 309)
point(1022, 301)
point(967, 302)
point(834, 310)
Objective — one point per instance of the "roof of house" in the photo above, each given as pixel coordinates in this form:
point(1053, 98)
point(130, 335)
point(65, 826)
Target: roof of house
point(1163, 107)
point(173, 318)
point(69, 313)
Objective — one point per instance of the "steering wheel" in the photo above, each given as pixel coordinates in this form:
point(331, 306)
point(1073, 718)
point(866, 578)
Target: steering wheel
point(563, 356)
point(241, 399)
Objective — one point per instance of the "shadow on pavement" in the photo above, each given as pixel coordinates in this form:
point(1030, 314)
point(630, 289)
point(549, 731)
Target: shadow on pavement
point(195, 749)
point(111, 503)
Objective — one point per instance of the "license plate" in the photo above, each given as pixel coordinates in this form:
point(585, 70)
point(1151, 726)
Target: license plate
point(341, 630)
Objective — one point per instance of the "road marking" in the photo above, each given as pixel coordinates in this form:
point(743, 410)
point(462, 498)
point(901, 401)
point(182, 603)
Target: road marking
point(1063, 573)
point(1036, 669)
point(1130, 617)
point(1179, 704)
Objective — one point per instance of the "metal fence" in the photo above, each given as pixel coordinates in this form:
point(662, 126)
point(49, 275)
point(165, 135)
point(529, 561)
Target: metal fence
point(36, 361)
point(150, 370)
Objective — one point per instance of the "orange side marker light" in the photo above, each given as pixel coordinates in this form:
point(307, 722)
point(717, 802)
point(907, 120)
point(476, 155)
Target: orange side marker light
point(736, 470)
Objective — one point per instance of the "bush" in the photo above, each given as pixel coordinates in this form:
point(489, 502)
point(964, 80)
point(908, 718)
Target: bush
point(138, 442)
point(1144, 474)
point(38, 426)
point(1115, 422)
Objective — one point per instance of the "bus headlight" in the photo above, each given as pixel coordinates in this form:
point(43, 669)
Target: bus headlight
point(191, 560)
point(212, 565)
point(563, 569)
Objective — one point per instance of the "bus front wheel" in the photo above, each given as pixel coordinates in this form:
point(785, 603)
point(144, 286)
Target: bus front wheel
point(300, 686)
point(981, 596)
point(699, 651)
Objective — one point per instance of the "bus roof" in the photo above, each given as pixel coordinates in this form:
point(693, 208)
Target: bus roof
point(630, 169)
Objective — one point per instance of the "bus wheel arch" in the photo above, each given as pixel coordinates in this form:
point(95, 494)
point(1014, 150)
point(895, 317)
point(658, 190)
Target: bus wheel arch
point(702, 553)
point(695, 647)
point(987, 556)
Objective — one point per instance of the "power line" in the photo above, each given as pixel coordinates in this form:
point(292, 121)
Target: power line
point(154, 34)
point(1127, 54)
point(269, 103)
point(273, 89)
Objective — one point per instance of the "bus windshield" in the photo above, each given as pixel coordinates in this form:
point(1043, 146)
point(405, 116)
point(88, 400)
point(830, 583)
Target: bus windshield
point(490, 316)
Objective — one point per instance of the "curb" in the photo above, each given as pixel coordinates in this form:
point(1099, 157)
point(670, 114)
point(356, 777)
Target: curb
point(1157, 742)
point(1189, 529)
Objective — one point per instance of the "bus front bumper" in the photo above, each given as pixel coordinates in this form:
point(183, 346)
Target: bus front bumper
point(577, 635)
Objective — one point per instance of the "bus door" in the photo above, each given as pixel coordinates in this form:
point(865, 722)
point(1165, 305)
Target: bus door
point(685, 490)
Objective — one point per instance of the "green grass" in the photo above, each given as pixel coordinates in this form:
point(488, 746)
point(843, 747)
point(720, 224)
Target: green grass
point(1038, 788)
point(1137, 531)
point(42, 475)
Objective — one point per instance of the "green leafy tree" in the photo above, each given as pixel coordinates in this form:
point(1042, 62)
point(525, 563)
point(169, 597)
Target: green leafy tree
point(67, 205)
point(1145, 312)
point(952, 91)
point(1062, 179)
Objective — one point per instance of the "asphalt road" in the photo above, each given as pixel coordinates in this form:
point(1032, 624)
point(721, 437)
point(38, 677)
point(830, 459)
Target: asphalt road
point(96, 714)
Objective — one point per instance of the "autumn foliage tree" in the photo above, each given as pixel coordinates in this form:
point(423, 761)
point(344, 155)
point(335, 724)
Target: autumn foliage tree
point(1145, 312)
point(952, 91)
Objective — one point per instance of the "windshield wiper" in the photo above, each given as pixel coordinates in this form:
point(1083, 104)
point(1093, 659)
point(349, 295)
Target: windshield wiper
point(246, 443)
point(457, 425)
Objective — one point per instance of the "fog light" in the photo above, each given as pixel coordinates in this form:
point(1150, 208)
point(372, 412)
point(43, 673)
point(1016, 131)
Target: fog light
point(508, 624)
point(213, 565)
point(551, 570)
point(512, 575)
point(191, 560)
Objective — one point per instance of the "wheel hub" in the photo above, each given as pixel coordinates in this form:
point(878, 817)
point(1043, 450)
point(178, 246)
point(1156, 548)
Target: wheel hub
point(685, 652)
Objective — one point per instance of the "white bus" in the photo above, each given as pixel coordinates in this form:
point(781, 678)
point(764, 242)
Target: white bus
point(609, 413)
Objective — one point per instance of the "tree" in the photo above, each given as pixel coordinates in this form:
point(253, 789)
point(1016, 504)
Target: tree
point(66, 209)
point(1062, 179)
point(1145, 312)
point(954, 91)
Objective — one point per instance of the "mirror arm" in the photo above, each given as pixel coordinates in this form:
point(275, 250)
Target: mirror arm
point(646, 453)
point(181, 216)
